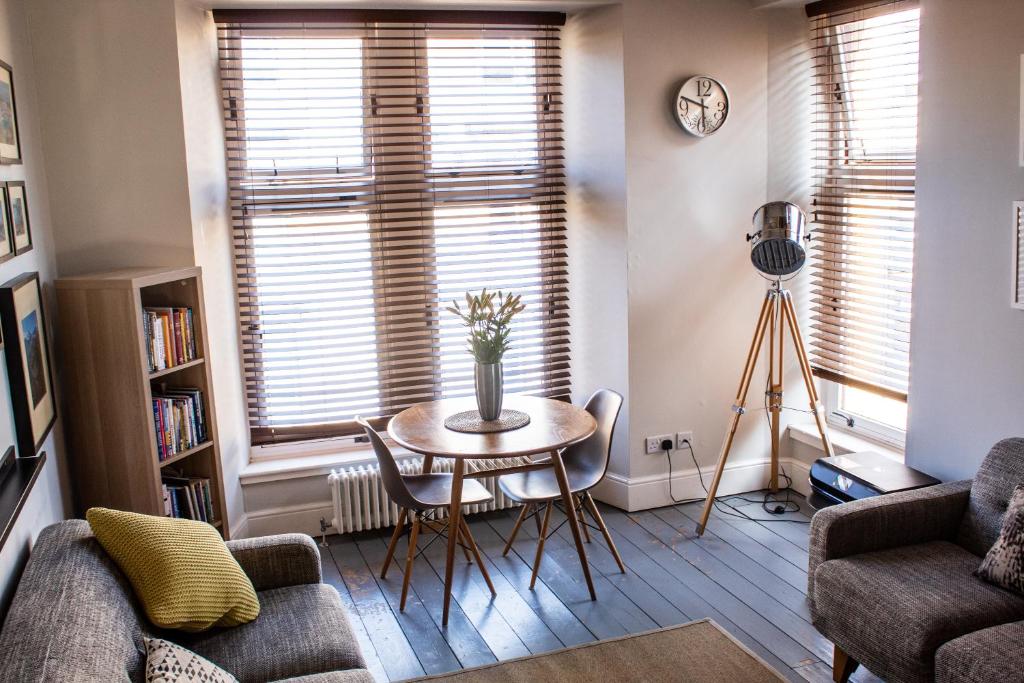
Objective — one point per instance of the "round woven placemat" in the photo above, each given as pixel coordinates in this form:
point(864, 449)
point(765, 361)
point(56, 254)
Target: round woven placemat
point(470, 421)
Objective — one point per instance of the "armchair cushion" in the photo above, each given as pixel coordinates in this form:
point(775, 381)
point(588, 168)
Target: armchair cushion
point(992, 654)
point(929, 514)
point(892, 609)
point(998, 475)
point(278, 561)
point(1004, 563)
point(301, 630)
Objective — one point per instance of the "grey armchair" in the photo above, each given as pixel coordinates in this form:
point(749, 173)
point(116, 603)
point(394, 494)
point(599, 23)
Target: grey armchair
point(891, 580)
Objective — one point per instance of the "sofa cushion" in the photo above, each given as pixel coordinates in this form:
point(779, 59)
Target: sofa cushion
point(891, 610)
point(301, 630)
point(167, 662)
point(74, 616)
point(999, 474)
point(991, 654)
point(182, 573)
point(1004, 563)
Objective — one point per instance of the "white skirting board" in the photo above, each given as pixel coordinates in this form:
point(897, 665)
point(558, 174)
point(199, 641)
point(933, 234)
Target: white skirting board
point(631, 495)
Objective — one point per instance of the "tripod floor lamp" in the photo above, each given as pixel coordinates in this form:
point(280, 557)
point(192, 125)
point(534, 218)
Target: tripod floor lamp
point(777, 250)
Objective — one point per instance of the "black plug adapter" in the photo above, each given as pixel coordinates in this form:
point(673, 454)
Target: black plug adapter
point(666, 444)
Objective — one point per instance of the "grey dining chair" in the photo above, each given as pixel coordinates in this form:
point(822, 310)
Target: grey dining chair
point(586, 464)
point(419, 496)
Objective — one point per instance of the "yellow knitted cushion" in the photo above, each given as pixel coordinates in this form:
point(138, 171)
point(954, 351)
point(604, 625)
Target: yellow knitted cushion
point(182, 573)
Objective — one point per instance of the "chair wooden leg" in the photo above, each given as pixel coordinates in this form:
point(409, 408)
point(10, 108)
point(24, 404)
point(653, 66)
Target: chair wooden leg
point(596, 514)
point(523, 511)
point(540, 544)
point(409, 557)
point(399, 529)
point(843, 665)
point(583, 520)
point(536, 520)
point(468, 537)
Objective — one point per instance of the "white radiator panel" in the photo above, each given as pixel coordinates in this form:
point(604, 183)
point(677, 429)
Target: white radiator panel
point(360, 502)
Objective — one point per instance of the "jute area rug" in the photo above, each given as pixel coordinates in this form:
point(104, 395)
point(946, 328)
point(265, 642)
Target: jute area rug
point(700, 652)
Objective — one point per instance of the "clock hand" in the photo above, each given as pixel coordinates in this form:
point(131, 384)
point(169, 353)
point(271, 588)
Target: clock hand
point(699, 104)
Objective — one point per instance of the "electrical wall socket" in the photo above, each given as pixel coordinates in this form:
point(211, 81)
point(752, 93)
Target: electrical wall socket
point(682, 438)
point(652, 444)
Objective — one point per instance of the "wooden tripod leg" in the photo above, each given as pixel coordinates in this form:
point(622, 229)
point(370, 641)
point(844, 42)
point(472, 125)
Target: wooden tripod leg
point(523, 511)
point(468, 538)
point(775, 373)
point(596, 514)
point(805, 369)
point(737, 409)
point(540, 543)
point(399, 529)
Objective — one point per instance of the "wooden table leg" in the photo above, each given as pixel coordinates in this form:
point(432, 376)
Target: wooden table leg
point(454, 520)
point(570, 512)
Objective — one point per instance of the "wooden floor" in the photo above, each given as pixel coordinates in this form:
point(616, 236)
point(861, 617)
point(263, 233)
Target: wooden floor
point(750, 577)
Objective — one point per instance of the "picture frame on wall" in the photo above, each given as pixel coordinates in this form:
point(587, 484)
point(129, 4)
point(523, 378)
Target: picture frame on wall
point(27, 354)
point(1017, 266)
point(10, 135)
point(6, 239)
point(20, 227)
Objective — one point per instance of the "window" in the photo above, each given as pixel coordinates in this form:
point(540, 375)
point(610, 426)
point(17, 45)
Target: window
point(865, 124)
point(378, 169)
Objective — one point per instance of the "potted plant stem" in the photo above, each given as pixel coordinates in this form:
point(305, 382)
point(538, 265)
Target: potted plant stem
point(488, 317)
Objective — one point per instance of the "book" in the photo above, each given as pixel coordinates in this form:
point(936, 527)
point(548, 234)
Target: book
point(170, 337)
point(188, 497)
point(179, 420)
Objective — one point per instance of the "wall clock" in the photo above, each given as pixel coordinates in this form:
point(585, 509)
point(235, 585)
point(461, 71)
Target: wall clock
point(702, 106)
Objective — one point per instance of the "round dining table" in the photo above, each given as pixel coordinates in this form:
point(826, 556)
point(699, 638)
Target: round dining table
point(553, 426)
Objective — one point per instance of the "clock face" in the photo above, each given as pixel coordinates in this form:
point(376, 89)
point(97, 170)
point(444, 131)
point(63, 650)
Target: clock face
point(702, 106)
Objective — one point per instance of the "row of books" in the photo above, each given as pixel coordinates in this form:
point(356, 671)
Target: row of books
point(188, 498)
point(170, 337)
point(179, 418)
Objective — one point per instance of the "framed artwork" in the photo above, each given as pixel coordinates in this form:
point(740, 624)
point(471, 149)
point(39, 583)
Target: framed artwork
point(6, 241)
point(10, 140)
point(28, 362)
point(20, 230)
point(1017, 267)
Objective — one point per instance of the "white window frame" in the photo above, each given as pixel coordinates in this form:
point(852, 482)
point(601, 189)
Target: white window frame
point(866, 428)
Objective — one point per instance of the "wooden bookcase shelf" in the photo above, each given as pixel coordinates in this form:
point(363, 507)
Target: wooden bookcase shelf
point(109, 388)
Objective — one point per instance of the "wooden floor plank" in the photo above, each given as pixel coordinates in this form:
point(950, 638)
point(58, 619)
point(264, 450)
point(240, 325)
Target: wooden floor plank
point(750, 569)
point(431, 649)
point(791, 552)
point(390, 642)
point(565, 625)
point(794, 529)
point(332, 577)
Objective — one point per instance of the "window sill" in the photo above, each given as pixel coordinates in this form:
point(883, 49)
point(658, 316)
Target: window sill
point(842, 441)
point(310, 465)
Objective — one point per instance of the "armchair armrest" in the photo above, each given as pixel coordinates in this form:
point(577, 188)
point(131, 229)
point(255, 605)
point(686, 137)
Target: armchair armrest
point(884, 522)
point(278, 561)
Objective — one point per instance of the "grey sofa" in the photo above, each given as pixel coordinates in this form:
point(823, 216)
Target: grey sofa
point(891, 580)
point(74, 617)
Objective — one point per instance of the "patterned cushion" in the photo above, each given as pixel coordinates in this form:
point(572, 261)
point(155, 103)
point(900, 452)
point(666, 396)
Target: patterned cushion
point(170, 663)
point(181, 571)
point(1004, 563)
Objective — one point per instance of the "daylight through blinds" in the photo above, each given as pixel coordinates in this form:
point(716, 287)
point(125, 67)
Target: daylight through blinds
point(377, 170)
point(865, 131)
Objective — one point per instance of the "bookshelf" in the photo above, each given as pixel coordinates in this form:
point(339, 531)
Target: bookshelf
point(109, 386)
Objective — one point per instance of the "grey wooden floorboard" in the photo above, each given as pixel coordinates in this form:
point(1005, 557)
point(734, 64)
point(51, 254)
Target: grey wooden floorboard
point(433, 652)
point(332, 576)
point(565, 625)
point(390, 642)
point(747, 575)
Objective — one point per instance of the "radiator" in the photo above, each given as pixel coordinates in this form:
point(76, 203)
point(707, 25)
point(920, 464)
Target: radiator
point(360, 502)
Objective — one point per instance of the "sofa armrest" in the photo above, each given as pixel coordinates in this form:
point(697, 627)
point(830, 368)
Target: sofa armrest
point(278, 561)
point(882, 522)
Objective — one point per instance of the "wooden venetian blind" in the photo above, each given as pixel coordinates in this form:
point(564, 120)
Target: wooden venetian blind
point(865, 131)
point(382, 164)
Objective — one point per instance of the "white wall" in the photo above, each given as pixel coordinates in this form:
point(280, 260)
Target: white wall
point(966, 360)
point(595, 133)
point(50, 498)
point(693, 297)
point(212, 237)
